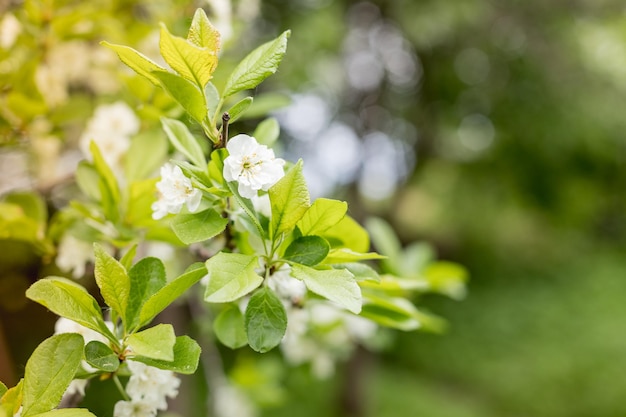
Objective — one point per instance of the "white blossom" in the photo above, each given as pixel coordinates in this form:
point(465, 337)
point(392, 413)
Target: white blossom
point(134, 409)
point(230, 401)
point(175, 190)
point(64, 325)
point(148, 387)
point(252, 165)
point(73, 254)
point(287, 287)
point(111, 128)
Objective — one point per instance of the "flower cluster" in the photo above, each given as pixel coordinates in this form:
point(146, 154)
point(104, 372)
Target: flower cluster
point(252, 165)
point(175, 190)
point(148, 388)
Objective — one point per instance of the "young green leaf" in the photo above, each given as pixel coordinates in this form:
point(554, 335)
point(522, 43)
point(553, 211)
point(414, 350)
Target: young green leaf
point(184, 142)
point(113, 281)
point(361, 272)
point(87, 179)
point(230, 329)
point(202, 33)
point(185, 93)
point(49, 372)
point(198, 227)
point(186, 357)
point(265, 320)
point(11, 400)
point(397, 313)
point(322, 215)
point(337, 285)
point(307, 250)
point(257, 66)
point(231, 276)
point(212, 99)
point(237, 110)
point(3, 389)
point(146, 278)
point(386, 243)
point(267, 132)
point(343, 255)
point(170, 292)
point(101, 356)
point(156, 342)
point(136, 61)
point(289, 199)
point(192, 62)
point(67, 412)
point(70, 300)
point(348, 234)
point(109, 189)
point(129, 256)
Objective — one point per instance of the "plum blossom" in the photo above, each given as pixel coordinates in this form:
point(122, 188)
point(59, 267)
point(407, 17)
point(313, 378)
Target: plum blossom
point(148, 388)
point(175, 190)
point(252, 165)
point(288, 288)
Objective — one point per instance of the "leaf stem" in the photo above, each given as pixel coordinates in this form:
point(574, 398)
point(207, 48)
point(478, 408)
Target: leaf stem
point(120, 387)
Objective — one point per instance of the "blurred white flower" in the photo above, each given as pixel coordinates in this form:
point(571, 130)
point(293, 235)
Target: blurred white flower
point(252, 165)
point(73, 254)
point(110, 127)
point(230, 401)
point(175, 190)
point(287, 287)
point(52, 85)
point(134, 409)
point(64, 325)
point(10, 28)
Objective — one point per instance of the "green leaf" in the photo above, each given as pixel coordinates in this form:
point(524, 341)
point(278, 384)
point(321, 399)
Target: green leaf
point(11, 400)
point(231, 276)
point(129, 256)
point(87, 179)
point(170, 292)
point(361, 272)
point(289, 199)
point(156, 342)
point(49, 372)
point(307, 250)
point(186, 357)
point(348, 234)
point(113, 281)
point(257, 66)
point(247, 207)
point(229, 327)
point(146, 278)
point(185, 93)
point(68, 299)
point(3, 389)
point(397, 313)
point(337, 285)
point(267, 132)
point(322, 215)
point(198, 227)
point(239, 108)
point(184, 142)
point(202, 33)
point(192, 62)
point(101, 356)
point(386, 243)
point(109, 189)
point(212, 99)
point(67, 412)
point(265, 320)
point(447, 278)
point(136, 61)
point(343, 255)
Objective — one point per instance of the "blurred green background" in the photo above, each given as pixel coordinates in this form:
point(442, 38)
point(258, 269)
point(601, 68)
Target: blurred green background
point(495, 131)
